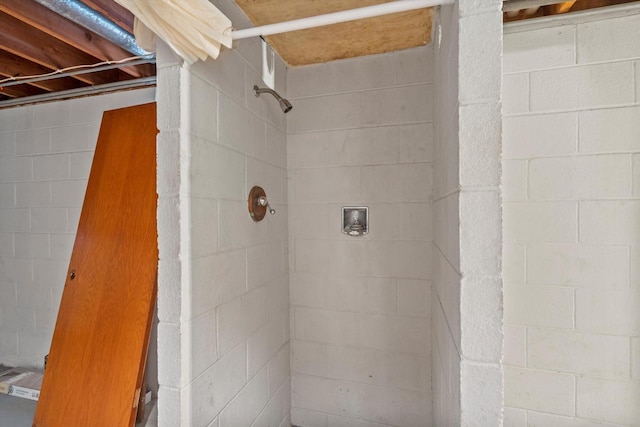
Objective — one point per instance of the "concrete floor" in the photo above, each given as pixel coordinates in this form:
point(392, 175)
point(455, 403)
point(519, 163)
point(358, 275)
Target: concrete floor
point(19, 412)
point(16, 411)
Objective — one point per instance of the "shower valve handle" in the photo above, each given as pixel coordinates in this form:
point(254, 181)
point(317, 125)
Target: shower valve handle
point(262, 201)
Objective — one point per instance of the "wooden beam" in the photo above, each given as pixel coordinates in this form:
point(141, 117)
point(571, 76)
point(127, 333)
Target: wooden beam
point(27, 42)
point(71, 33)
point(112, 10)
point(593, 4)
point(20, 91)
point(14, 66)
point(564, 7)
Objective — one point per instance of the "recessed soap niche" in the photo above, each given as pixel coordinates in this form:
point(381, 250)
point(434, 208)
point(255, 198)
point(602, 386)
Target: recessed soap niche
point(355, 220)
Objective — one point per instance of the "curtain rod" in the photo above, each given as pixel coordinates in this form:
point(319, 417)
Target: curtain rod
point(337, 17)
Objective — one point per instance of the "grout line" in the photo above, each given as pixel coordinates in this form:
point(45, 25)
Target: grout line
point(527, 195)
point(577, 129)
point(629, 263)
point(570, 110)
point(631, 168)
point(634, 80)
point(363, 90)
point(631, 358)
point(529, 109)
point(575, 308)
point(526, 263)
point(575, 395)
point(526, 346)
point(578, 237)
point(572, 65)
point(575, 44)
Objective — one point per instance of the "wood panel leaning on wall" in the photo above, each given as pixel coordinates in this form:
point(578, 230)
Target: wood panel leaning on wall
point(100, 342)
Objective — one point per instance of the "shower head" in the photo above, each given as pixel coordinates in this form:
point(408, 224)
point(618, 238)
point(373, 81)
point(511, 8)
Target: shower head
point(284, 104)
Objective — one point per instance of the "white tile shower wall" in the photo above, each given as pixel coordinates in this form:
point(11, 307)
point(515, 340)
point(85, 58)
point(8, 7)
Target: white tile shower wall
point(571, 223)
point(361, 133)
point(46, 152)
point(223, 285)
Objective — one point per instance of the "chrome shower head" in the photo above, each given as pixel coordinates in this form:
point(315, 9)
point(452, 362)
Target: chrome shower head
point(284, 104)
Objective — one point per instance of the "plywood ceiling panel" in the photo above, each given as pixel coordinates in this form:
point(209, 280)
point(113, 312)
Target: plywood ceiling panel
point(346, 40)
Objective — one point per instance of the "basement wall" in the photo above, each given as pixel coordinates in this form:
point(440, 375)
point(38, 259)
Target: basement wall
point(46, 152)
point(467, 298)
point(571, 182)
point(361, 134)
point(223, 356)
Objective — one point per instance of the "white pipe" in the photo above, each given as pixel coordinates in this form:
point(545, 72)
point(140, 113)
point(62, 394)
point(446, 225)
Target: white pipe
point(148, 59)
point(81, 91)
point(337, 17)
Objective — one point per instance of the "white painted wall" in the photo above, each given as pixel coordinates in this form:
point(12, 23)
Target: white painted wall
point(445, 307)
point(467, 303)
point(361, 134)
point(223, 283)
point(46, 152)
point(223, 280)
point(571, 185)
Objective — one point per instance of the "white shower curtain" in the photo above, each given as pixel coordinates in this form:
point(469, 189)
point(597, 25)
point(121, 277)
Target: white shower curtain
point(194, 29)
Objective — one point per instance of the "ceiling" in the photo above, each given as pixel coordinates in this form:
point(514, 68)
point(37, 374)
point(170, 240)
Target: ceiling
point(374, 35)
point(346, 40)
point(35, 40)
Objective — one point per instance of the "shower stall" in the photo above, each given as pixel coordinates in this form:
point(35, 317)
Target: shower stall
point(371, 296)
point(291, 321)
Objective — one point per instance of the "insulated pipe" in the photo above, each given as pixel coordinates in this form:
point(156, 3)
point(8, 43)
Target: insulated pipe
point(337, 17)
point(83, 15)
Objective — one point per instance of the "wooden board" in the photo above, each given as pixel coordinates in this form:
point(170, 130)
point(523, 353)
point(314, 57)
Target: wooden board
point(101, 336)
point(346, 40)
point(561, 7)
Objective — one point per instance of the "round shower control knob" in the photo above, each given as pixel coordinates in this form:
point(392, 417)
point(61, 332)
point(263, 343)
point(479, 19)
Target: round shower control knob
point(258, 204)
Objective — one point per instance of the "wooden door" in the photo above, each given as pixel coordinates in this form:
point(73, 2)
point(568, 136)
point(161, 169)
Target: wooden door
point(101, 336)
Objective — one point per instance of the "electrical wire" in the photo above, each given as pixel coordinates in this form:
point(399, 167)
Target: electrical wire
point(77, 67)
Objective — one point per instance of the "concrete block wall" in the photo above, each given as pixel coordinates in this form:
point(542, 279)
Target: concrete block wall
point(571, 215)
point(445, 307)
point(223, 285)
point(467, 303)
point(480, 212)
point(46, 152)
point(361, 134)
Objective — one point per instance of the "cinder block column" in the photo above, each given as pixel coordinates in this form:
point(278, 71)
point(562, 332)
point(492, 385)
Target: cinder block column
point(480, 138)
point(467, 306)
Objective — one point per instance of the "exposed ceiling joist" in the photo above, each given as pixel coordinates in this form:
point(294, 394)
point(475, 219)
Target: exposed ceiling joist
point(41, 18)
point(34, 45)
point(35, 41)
point(564, 7)
point(12, 65)
point(515, 10)
point(114, 11)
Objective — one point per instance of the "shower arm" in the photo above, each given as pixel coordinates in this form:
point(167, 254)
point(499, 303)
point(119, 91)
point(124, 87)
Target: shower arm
point(257, 91)
point(285, 105)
